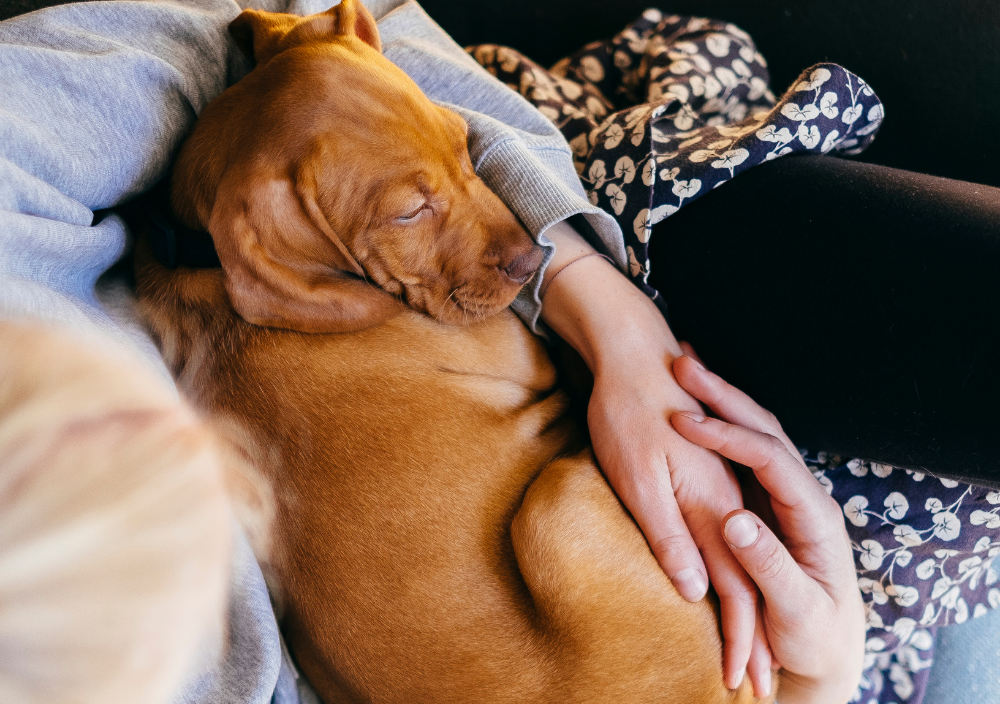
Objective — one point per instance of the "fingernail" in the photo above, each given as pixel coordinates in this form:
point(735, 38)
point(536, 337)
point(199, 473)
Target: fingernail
point(693, 416)
point(741, 531)
point(690, 584)
point(765, 684)
point(697, 363)
point(733, 684)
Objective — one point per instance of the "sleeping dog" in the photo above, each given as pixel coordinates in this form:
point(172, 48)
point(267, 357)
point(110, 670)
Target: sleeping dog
point(443, 533)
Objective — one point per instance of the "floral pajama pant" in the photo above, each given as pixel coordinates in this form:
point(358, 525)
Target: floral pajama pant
point(664, 112)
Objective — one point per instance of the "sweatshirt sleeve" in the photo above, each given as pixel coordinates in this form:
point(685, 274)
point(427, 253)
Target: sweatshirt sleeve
point(515, 149)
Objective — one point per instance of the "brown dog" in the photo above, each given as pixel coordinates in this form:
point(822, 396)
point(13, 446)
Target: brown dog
point(327, 166)
point(443, 533)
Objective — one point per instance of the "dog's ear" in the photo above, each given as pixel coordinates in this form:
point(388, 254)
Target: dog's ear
point(284, 269)
point(261, 35)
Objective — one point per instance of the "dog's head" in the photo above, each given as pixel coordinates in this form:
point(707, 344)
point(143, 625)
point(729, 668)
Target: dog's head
point(327, 170)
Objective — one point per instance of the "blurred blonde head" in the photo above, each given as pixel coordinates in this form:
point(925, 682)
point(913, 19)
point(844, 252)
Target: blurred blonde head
point(115, 527)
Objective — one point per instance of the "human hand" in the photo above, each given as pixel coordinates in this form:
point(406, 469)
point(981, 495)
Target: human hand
point(677, 493)
point(812, 612)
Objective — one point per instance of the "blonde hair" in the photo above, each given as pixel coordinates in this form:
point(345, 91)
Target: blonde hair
point(115, 529)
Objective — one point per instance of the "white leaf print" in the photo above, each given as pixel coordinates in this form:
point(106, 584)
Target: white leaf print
point(948, 483)
point(904, 596)
point(930, 615)
point(969, 563)
point(721, 144)
point(697, 85)
point(613, 136)
point(712, 88)
point(903, 628)
point(907, 536)
point(982, 544)
point(758, 86)
point(827, 105)
point(950, 600)
point(579, 145)
point(961, 611)
point(622, 60)
point(679, 91)
point(881, 470)
point(947, 525)
point(652, 15)
point(595, 106)
point(679, 68)
point(686, 189)
point(855, 467)
point(874, 645)
point(741, 68)
point(994, 597)
point(925, 570)
point(617, 197)
point(815, 80)
point(701, 63)
point(551, 113)
point(902, 683)
point(592, 69)
point(800, 114)
point(993, 497)
point(872, 619)
point(669, 174)
point(854, 509)
point(903, 558)
point(980, 610)
point(991, 520)
point(851, 114)
point(701, 155)
point(876, 113)
point(809, 137)
point(940, 554)
point(718, 44)
point(872, 554)
point(598, 173)
point(686, 47)
point(830, 142)
point(933, 505)
point(684, 119)
point(625, 169)
point(922, 640)
point(635, 268)
point(916, 476)
point(897, 505)
point(865, 88)
point(940, 587)
point(649, 172)
point(727, 77)
point(772, 155)
point(638, 134)
point(641, 225)
point(746, 53)
point(592, 196)
point(731, 159)
point(661, 213)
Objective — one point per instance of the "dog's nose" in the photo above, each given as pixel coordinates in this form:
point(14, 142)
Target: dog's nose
point(521, 269)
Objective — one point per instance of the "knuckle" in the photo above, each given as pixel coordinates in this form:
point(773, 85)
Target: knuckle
point(769, 560)
point(775, 448)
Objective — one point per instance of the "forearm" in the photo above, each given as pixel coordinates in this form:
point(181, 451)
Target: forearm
point(592, 306)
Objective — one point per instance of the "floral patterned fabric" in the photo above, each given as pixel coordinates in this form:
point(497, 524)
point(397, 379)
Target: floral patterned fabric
point(673, 107)
point(924, 550)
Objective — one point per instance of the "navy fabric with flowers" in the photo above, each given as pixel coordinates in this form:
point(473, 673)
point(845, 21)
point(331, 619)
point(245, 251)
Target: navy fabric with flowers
point(673, 107)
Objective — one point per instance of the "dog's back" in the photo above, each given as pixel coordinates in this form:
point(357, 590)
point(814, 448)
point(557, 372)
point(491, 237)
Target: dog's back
point(443, 534)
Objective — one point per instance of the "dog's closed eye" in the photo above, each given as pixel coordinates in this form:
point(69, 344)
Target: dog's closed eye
point(414, 213)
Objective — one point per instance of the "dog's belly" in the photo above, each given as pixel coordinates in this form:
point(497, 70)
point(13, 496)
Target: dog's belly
point(443, 535)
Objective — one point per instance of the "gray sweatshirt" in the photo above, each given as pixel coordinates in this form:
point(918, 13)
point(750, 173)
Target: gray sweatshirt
point(95, 99)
